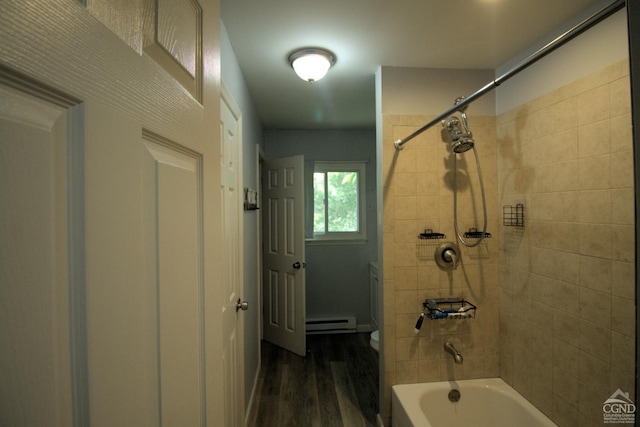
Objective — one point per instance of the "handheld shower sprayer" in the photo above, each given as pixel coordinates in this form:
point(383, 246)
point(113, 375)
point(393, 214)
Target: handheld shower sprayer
point(461, 141)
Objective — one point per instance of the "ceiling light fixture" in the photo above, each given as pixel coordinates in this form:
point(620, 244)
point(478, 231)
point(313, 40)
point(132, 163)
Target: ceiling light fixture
point(311, 64)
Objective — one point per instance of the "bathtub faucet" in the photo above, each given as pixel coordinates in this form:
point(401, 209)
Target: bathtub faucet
point(449, 348)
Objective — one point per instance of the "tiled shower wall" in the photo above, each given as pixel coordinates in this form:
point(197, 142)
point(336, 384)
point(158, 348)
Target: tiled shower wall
point(418, 195)
point(556, 314)
point(567, 314)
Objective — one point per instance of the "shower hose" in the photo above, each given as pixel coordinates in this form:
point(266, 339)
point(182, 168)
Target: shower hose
point(455, 202)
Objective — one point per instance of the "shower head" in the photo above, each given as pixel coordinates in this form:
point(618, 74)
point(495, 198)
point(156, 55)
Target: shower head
point(462, 144)
point(460, 141)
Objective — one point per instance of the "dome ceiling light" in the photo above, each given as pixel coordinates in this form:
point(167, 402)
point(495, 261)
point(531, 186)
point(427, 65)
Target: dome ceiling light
point(311, 64)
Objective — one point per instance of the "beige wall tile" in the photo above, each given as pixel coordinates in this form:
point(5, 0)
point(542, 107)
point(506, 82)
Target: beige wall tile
point(567, 298)
point(595, 340)
point(595, 273)
point(542, 397)
point(566, 328)
point(405, 207)
point(407, 302)
point(623, 279)
point(622, 206)
point(620, 97)
point(564, 413)
point(623, 243)
point(565, 176)
point(565, 356)
point(565, 145)
point(621, 136)
point(595, 240)
point(564, 115)
point(622, 169)
point(406, 278)
point(405, 184)
point(566, 386)
point(590, 406)
point(623, 317)
point(593, 105)
point(623, 352)
point(594, 206)
point(595, 172)
point(595, 307)
point(594, 139)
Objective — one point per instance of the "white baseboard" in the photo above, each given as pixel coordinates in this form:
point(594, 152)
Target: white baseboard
point(364, 328)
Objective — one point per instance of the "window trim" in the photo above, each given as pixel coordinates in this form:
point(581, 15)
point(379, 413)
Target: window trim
point(341, 237)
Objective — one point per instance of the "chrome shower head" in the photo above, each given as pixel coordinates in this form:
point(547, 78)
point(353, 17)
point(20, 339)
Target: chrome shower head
point(460, 141)
point(462, 144)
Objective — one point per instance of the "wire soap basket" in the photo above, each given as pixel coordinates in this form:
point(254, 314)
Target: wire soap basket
point(449, 308)
point(513, 216)
point(427, 242)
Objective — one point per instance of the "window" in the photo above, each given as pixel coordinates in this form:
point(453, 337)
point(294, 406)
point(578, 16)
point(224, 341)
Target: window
point(339, 201)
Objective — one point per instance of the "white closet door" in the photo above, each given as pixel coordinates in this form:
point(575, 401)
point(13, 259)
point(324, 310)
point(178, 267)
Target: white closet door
point(110, 224)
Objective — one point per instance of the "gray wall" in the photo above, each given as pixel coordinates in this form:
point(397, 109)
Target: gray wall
point(337, 276)
point(251, 137)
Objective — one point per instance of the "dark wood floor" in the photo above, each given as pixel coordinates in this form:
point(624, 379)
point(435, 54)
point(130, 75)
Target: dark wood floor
point(335, 385)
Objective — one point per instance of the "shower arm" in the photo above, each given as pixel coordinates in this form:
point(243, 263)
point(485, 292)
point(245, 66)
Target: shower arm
point(568, 35)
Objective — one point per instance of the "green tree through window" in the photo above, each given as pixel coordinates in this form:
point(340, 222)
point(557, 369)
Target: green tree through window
point(337, 193)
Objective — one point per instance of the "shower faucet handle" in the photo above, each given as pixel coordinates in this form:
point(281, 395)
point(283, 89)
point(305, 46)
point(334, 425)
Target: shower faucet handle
point(447, 255)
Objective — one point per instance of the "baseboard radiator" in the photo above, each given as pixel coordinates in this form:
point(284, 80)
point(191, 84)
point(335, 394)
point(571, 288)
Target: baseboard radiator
point(336, 325)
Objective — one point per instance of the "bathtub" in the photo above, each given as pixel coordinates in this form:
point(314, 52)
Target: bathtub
point(488, 402)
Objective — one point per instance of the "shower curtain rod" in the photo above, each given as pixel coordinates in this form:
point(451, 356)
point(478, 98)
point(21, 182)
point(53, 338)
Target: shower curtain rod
point(539, 54)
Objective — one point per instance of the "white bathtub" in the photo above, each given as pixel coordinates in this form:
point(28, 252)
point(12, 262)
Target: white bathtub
point(488, 402)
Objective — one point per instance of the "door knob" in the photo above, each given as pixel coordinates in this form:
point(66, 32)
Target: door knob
point(297, 265)
point(242, 305)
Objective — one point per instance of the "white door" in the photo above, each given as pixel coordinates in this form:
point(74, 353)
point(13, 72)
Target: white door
point(109, 294)
point(283, 253)
point(232, 272)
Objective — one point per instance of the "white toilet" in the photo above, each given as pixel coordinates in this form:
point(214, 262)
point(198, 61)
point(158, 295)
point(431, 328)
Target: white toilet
point(375, 340)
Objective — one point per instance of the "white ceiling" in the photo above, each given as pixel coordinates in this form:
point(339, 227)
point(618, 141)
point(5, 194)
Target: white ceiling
point(364, 34)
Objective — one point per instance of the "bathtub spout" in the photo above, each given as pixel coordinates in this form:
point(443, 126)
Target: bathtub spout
point(449, 348)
